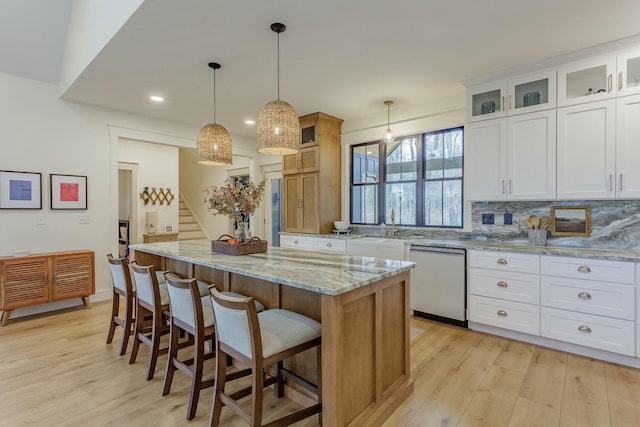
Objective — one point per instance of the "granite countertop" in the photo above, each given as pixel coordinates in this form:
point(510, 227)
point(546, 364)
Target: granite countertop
point(325, 273)
point(513, 245)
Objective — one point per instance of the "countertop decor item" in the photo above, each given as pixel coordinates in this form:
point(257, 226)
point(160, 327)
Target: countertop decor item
point(214, 141)
point(341, 225)
point(234, 200)
point(278, 125)
point(230, 246)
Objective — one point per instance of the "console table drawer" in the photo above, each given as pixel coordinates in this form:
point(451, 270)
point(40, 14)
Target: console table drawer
point(600, 332)
point(520, 287)
point(505, 314)
point(599, 298)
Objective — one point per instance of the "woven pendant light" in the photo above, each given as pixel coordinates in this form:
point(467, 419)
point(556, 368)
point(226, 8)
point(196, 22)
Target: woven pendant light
point(278, 125)
point(214, 141)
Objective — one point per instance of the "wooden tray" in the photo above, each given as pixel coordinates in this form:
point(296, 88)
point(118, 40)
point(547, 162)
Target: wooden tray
point(251, 246)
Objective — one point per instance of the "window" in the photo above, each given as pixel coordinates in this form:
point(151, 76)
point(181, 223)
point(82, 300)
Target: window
point(422, 180)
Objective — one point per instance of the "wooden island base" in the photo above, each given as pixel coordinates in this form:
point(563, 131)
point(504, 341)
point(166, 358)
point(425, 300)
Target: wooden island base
point(365, 338)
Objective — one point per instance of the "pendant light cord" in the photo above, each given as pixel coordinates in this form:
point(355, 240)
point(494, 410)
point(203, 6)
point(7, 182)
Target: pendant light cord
point(388, 105)
point(214, 96)
point(278, 88)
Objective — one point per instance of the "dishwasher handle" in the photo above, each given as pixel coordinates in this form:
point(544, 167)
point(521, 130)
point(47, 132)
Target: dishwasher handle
point(419, 248)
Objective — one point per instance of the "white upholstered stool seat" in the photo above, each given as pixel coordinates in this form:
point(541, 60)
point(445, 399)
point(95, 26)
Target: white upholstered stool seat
point(191, 312)
point(151, 314)
point(258, 340)
point(122, 287)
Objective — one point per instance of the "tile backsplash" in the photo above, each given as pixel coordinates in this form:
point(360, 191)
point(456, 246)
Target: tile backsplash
point(614, 223)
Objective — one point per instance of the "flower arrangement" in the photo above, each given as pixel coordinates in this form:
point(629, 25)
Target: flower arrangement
point(234, 200)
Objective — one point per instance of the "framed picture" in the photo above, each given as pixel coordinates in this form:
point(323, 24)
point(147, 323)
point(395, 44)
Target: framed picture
point(68, 192)
point(168, 228)
point(20, 190)
point(571, 221)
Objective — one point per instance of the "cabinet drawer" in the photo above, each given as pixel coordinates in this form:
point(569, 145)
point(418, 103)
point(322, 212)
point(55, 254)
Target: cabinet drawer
point(505, 314)
point(587, 268)
point(521, 287)
point(330, 245)
point(600, 332)
point(508, 261)
point(600, 298)
point(297, 242)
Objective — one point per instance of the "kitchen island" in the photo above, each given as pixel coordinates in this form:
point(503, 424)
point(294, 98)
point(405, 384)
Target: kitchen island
point(361, 302)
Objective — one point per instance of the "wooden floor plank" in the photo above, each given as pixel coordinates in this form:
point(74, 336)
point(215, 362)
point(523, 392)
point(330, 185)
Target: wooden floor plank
point(57, 370)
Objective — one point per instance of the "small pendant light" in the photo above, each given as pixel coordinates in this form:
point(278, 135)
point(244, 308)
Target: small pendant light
point(214, 141)
point(278, 129)
point(388, 135)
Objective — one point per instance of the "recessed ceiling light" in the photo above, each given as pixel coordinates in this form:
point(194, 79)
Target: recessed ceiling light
point(156, 98)
point(249, 122)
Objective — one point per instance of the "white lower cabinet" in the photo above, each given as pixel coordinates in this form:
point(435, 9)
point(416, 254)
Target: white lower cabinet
point(330, 245)
point(505, 314)
point(313, 243)
point(604, 333)
point(297, 242)
point(582, 301)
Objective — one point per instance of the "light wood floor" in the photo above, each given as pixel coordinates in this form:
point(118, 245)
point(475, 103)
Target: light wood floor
point(56, 370)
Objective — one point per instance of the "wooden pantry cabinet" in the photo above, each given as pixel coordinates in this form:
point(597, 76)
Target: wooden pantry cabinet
point(312, 177)
point(43, 278)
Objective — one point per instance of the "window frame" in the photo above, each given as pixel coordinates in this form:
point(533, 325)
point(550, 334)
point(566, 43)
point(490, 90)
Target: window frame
point(420, 181)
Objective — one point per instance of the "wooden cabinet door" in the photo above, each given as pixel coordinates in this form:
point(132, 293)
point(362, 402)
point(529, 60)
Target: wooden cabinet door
point(290, 164)
point(586, 151)
point(308, 159)
point(291, 204)
point(72, 275)
point(25, 281)
point(309, 209)
point(485, 160)
point(531, 164)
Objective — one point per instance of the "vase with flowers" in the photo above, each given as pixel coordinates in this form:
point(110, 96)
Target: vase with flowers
point(236, 200)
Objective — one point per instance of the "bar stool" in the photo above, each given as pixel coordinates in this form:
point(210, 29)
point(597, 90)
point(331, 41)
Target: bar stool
point(122, 287)
point(258, 341)
point(152, 313)
point(191, 312)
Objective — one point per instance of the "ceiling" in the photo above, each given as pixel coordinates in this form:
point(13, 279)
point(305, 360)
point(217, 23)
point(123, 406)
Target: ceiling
point(340, 57)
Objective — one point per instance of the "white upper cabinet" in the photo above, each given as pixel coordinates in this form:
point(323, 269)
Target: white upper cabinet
point(521, 94)
point(512, 158)
point(627, 179)
point(629, 72)
point(587, 80)
point(586, 151)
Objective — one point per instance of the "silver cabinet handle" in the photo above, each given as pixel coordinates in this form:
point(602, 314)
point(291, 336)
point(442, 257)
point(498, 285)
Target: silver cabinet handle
point(620, 183)
point(501, 313)
point(584, 328)
point(295, 242)
point(610, 182)
point(584, 295)
point(503, 186)
point(328, 245)
point(502, 261)
point(502, 284)
point(510, 187)
point(610, 80)
point(510, 107)
point(584, 269)
point(504, 106)
point(620, 80)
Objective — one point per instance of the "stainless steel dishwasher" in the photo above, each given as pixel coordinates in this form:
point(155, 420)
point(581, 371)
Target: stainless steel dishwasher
point(438, 284)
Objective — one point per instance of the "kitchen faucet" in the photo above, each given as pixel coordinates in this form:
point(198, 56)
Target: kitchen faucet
point(394, 229)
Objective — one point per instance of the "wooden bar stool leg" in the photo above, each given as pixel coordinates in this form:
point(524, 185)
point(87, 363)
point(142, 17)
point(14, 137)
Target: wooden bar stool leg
point(171, 367)
point(140, 315)
point(155, 344)
point(218, 387)
point(258, 389)
point(115, 309)
point(128, 323)
point(196, 379)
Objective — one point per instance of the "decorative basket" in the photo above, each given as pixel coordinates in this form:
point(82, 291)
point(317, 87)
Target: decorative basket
point(251, 246)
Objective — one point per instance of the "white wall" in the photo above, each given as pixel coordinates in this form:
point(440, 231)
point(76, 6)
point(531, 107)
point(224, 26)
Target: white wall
point(157, 167)
point(41, 133)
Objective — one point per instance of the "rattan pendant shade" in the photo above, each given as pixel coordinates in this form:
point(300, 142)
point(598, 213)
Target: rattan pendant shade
point(214, 141)
point(278, 130)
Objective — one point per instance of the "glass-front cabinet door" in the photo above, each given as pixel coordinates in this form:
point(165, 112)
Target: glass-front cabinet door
point(487, 101)
point(629, 72)
point(587, 81)
point(532, 92)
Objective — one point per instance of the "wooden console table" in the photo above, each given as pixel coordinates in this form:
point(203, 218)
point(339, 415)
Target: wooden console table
point(159, 237)
point(42, 278)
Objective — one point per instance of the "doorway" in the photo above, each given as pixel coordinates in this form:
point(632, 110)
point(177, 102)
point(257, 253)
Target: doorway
point(127, 206)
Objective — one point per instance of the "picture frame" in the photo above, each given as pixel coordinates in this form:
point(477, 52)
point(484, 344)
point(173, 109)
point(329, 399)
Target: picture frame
point(68, 192)
point(168, 228)
point(20, 190)
point(571, 221)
